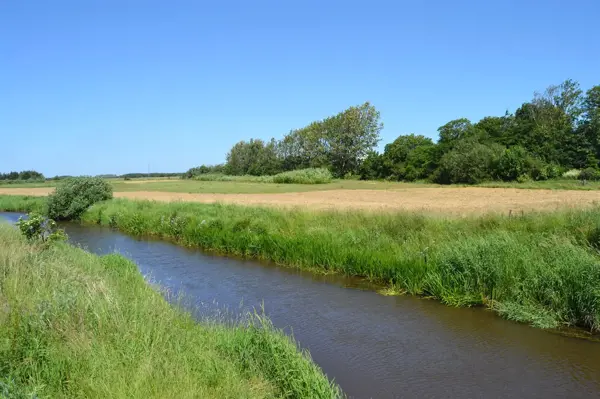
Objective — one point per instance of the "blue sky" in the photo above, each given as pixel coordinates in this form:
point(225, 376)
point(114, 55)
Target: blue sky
point(112, 86)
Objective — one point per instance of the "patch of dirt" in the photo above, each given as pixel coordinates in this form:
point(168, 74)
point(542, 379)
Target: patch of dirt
point(461, 201)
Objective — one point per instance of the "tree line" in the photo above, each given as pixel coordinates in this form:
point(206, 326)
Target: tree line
point(23, 175)
point(557, 130)
point(338, 143)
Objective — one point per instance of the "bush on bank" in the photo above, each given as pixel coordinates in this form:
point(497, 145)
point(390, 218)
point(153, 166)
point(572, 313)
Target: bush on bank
point(73, 196)
point(73, 324)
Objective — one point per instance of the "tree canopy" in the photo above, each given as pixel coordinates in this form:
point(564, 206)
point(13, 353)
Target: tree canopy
point(557, 130)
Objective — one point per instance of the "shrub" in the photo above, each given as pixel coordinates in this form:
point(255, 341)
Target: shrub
point(38, 228)
point(304, 176)
point(513, 163)
point(572, 174)
point(72, 197)
point(589, 174)
point(469, 162)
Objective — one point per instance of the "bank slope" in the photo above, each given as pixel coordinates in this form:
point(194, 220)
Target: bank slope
point(73, 324)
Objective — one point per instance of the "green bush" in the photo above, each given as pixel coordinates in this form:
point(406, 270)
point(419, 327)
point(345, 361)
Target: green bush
point(304, 176)
point(38, 228)
point(72, 197)
point(589, 174)
point(469, 162)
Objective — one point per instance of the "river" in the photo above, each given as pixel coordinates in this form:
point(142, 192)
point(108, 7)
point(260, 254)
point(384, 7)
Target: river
point(373, 346)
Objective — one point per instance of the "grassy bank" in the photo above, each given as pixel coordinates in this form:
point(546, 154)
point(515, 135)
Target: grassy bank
point(541, 268)
point(73, 324)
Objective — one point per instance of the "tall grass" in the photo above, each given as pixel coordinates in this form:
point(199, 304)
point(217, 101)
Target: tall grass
point(302, 176)
point(539, 268)
point(22, 203)
point(73, 324)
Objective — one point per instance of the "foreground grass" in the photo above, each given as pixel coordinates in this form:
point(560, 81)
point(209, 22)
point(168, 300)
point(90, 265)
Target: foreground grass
point(542, 269)
point(73, 324)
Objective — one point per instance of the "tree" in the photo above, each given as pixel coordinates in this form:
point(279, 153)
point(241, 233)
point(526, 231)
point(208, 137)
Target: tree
point(409, 157)
point(455, 131)
point(253, 158)
point(590, 124)
point(349, 136)
point(373, 167)
point(469, 162)
point(497, 129)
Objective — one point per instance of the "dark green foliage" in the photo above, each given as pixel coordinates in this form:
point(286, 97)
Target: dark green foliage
point(373, 167)
point(409, 158)
point(255, 158)
point(204, 170)
point(469, 162)
point(338, 143)
point(142, 175)
point(26, 175)
point(589, 174)
point(73, 196)
point(557, 130)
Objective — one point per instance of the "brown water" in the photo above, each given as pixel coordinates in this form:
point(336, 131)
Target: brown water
point(373, 346)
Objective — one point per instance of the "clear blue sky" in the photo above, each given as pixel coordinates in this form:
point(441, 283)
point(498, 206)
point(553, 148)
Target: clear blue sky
point(110, 86)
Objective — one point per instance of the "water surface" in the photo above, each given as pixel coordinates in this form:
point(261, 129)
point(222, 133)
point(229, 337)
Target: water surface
point(372, 345)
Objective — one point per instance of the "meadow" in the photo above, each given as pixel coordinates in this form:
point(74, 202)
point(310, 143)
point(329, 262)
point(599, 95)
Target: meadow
point(538, 268)
point(73, 324)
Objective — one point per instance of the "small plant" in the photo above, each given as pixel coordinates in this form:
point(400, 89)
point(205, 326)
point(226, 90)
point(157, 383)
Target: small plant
point(572, 174)
point(38, 228)
point(75, 195)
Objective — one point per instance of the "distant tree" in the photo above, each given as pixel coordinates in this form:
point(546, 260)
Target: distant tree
point(497, 129)
point(468, 162)
point(254, 157)
point(350, 136)
point(373, 167)
point(409, 157)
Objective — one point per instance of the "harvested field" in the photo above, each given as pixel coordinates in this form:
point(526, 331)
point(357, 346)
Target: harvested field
point(463, 200)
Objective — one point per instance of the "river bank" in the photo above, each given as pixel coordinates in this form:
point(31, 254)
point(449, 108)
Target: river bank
point(76, 324)
point(537, 268)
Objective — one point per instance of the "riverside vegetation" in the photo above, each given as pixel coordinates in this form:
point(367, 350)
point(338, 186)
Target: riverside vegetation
point(538, 268)
point(73, 324)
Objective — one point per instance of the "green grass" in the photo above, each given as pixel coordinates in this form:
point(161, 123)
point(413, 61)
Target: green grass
point(557, 184)
point(539, 268)
point(34, 184)
point(73, 324)
point(22, 203)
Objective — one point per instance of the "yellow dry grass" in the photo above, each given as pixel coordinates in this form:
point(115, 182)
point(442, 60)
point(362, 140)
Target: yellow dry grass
point(454, 200)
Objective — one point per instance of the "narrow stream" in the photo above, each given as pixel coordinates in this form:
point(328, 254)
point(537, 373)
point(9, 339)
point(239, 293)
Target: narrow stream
point(373, 346)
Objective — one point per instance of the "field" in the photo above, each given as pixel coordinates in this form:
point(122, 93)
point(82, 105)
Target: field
point(73, 324)
point(351, 194)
